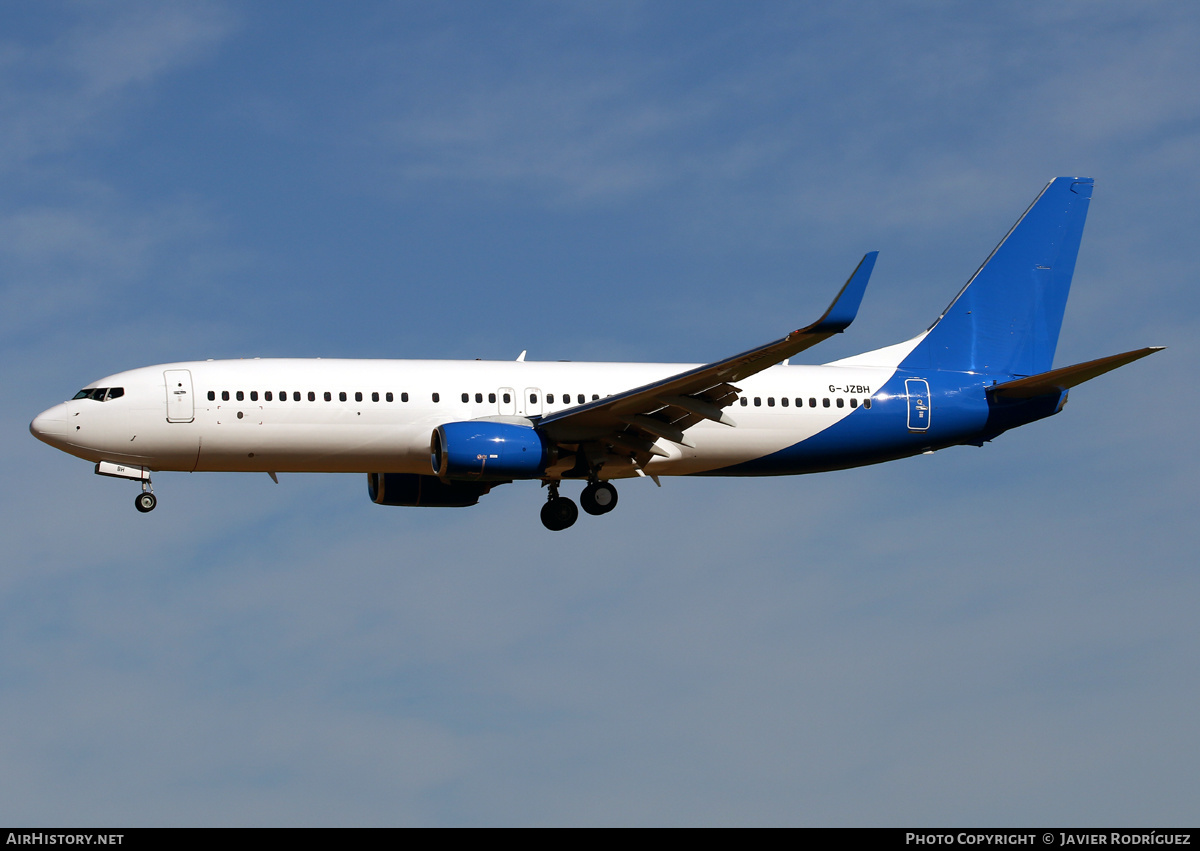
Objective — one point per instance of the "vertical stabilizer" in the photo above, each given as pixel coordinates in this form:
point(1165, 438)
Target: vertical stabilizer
point(1007, 318)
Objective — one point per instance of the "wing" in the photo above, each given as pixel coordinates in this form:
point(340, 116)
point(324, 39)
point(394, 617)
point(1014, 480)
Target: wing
point(629, 423)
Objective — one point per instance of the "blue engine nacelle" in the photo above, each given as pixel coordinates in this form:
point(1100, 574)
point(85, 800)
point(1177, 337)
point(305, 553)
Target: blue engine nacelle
point(481, 450)
point(413, 490)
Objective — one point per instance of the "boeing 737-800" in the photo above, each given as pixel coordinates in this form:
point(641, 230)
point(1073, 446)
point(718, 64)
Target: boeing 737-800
point(444, 433)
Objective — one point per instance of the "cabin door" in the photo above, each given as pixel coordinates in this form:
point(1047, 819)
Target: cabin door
point(180, 408)
point(918, 403)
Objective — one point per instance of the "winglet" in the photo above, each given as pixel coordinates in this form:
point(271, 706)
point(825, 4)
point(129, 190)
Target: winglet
point(845, 307)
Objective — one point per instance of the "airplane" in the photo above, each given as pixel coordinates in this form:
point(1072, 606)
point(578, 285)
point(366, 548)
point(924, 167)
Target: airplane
point(444, 433)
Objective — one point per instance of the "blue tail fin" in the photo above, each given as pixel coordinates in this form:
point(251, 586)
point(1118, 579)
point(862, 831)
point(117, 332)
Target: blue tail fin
point(1007, 318)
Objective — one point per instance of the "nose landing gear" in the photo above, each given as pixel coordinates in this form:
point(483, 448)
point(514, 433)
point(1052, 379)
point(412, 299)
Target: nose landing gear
point(146, 500)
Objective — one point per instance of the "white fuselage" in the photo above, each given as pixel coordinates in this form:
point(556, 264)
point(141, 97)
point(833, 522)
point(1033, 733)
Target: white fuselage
point(244, 415)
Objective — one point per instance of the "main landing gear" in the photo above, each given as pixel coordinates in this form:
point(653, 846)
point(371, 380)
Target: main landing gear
point(598, 498)
point(560, 513)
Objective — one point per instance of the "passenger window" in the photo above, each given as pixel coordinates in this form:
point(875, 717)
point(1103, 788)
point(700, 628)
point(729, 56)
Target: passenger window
point(549, 398)
point(812, 402)
point(758, 401)
point(212, 396)
point(507, 398)
point(312, 396)
point(533, 398)
point(866, 403)
point(581, 398)
point(328, 396)
point(841, 402)
point(357, 395)
point(403, 397)
point(375, 396)
point(745, 401)
point(389, 397)
point(253, 395)
point(492, 397)
point(595, 397)
point(241, 397)
point(267, 395)
point(295, 395)
point(825, 403)
point(853, 402)
point(770, 401)
point(783, 401)
point(478, 398)
point(437, 397)
point(799, 402)
point(466, 397)
point(224, 395)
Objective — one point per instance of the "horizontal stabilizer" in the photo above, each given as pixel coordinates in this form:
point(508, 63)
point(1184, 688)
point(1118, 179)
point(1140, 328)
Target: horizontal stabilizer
point(1068, 376)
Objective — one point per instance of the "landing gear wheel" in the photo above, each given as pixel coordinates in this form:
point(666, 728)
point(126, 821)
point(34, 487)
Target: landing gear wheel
point(145, 502)
point(598, 498)
point(559, 513)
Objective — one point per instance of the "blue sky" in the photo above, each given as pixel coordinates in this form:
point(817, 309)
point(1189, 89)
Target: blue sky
point(1003, 636)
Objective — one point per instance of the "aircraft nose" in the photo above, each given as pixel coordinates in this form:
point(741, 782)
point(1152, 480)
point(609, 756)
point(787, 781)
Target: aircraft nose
point(49, 425)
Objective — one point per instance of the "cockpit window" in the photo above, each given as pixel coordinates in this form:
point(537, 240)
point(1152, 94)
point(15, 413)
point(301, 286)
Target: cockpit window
point(100, 394)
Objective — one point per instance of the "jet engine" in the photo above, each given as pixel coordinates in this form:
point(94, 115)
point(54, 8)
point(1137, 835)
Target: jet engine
point(483, 450)
point(413, 490)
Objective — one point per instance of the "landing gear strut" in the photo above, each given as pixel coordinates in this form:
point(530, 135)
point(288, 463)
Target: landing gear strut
point(559, 512)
